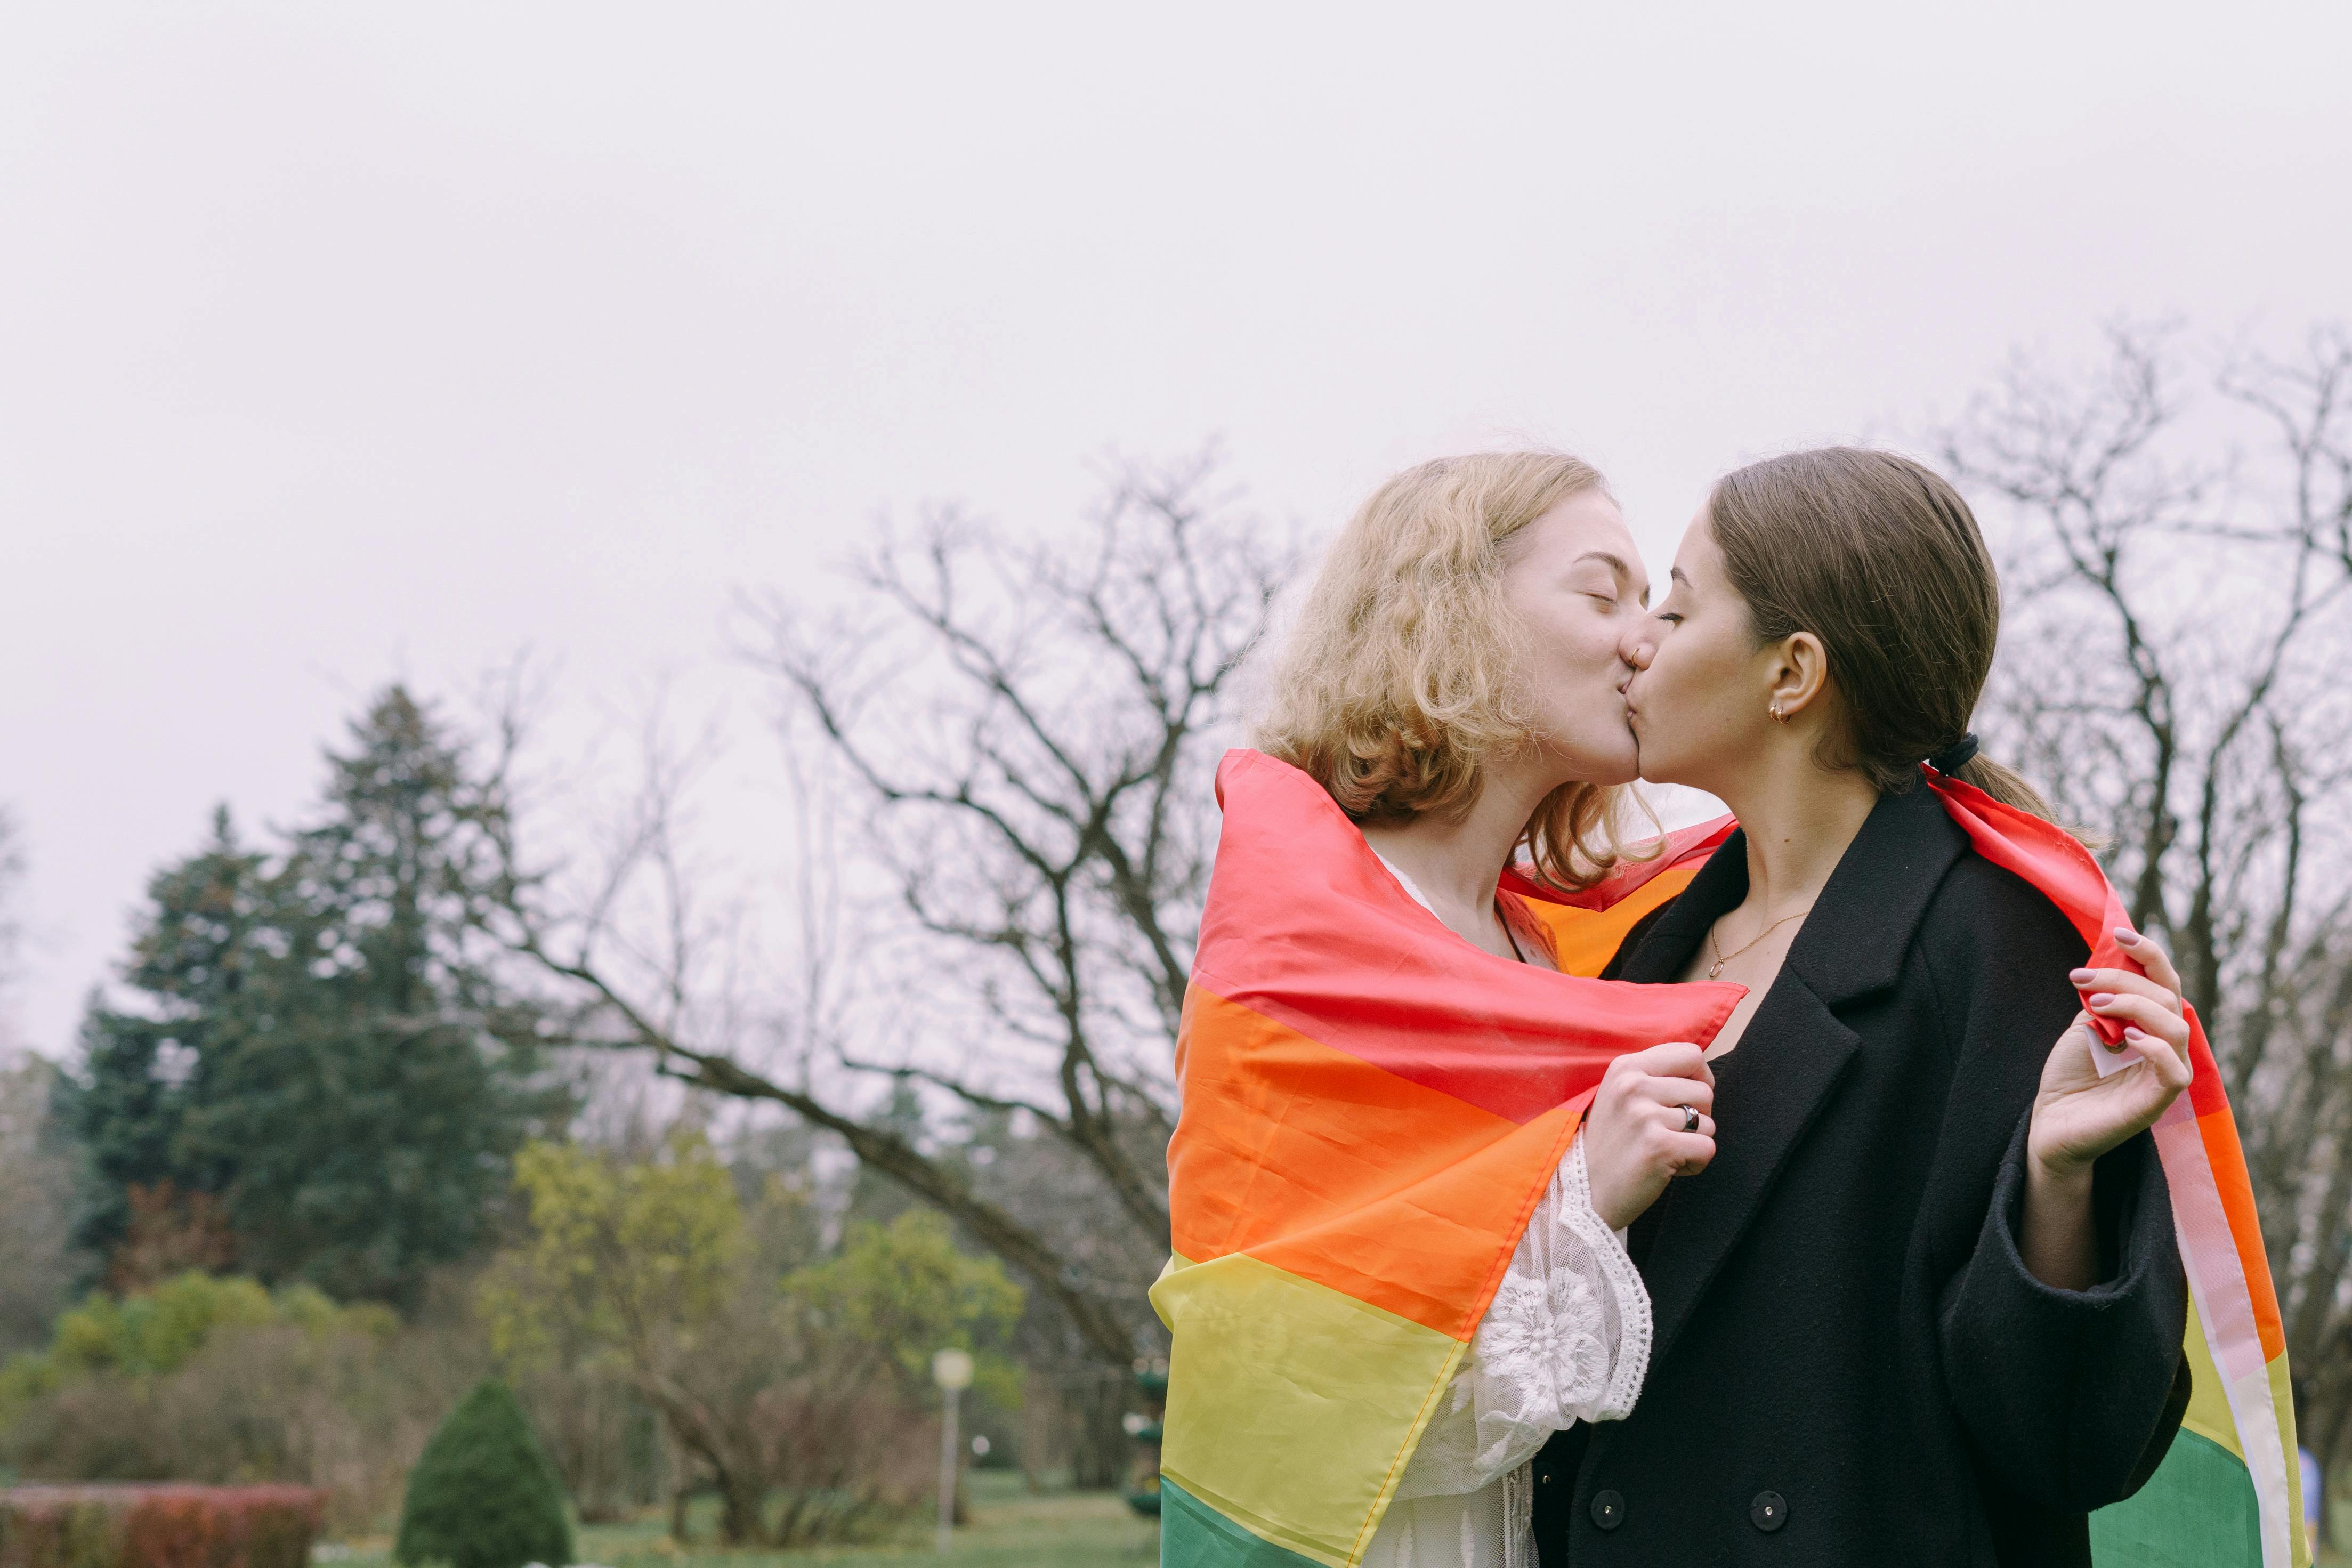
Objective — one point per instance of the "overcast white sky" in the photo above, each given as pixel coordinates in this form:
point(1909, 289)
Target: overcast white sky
point(338, 342)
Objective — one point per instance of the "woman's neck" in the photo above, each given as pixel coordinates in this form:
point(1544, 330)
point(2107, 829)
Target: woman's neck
point(1799, 819)
point(1457, 862)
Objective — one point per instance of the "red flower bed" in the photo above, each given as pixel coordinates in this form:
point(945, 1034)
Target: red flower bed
point(167, 1526)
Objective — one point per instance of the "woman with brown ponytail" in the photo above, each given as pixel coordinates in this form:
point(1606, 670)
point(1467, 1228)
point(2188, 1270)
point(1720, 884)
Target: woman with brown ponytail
point(1926, 1306)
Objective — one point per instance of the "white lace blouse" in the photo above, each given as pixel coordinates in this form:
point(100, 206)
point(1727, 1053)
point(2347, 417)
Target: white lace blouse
point(1566, 1339)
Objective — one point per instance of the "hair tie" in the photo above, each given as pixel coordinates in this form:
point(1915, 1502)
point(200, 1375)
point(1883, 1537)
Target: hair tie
point(1956, 756)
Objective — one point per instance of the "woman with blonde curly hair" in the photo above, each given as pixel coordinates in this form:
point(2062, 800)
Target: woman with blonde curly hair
point(1452, 683)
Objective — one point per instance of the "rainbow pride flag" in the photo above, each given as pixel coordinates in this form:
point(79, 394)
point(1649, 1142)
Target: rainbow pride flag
point(1371, 1109)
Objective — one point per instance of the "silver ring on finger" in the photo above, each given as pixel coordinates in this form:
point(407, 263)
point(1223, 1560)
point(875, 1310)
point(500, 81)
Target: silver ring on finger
point(1690, 1117)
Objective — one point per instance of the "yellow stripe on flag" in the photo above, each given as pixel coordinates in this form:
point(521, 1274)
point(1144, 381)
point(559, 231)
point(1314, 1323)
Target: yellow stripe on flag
point(1292, 1415)
point(2209, 1402)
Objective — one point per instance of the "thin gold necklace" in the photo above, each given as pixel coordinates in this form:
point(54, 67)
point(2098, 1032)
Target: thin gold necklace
point(1722, 958)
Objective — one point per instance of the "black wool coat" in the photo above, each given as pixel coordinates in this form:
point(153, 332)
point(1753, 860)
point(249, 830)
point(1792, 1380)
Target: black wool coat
point(1851, 1364)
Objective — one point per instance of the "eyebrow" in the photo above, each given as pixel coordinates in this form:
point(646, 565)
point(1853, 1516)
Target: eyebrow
point(1615, 564)
point(1676, 573)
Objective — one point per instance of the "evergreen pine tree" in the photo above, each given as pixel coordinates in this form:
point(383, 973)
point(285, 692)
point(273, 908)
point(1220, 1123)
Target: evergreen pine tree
point(146, 1069)
point(484, 1493)
point(321, 1038)
point(372, 1109)
point(875, 1199)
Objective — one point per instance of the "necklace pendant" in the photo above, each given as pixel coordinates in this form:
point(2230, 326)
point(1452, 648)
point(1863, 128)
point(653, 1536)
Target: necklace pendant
point(1715, 969)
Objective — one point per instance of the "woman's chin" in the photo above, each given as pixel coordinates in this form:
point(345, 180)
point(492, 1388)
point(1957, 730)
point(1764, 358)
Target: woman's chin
point(1661, 771)
point(1611, 768)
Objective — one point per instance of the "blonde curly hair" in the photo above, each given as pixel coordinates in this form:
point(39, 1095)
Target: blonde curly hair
point(1398, 683)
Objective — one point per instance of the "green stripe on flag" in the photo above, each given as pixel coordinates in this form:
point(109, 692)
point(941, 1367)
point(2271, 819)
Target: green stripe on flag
point(1194, 1535)
point(2198, 1510)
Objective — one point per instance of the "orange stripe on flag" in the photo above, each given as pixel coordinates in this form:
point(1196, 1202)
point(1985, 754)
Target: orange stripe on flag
point(2219, 1133)
point(1339, 1171)
point(1584, 940)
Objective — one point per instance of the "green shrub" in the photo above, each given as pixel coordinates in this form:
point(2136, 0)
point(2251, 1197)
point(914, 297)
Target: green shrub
point(157, 1329)
point(157, 1332)
point(483, 1494)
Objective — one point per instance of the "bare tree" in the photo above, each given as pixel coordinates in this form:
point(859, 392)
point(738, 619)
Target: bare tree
point(1017, 741)
point(12, 877)
point(2181, 607)
point(37, 1262)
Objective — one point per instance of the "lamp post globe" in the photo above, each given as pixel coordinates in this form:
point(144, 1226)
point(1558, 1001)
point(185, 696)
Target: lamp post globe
point(952, 1370)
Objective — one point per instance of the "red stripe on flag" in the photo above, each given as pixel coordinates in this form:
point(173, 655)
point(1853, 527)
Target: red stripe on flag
point(1306, 926)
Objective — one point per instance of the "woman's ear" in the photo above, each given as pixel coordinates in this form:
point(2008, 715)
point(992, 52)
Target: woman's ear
point(1801, 674)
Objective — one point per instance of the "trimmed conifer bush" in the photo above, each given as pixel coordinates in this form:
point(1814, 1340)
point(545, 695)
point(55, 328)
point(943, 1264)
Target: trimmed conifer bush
point(484, 1494)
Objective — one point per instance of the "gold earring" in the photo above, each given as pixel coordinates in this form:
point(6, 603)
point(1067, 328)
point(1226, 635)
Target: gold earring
point(1778, 717)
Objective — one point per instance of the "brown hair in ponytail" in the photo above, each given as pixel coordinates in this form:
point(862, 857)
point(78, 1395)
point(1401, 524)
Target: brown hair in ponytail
point(1882, 560)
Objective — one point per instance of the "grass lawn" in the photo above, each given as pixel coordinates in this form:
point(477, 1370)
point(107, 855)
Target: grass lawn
point(1010, 1528)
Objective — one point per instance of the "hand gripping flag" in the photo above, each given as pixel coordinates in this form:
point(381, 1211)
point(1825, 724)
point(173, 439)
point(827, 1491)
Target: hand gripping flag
point(1371, 1108)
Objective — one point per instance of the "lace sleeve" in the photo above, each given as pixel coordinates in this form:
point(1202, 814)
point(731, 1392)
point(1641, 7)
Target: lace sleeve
point(1566, 1339)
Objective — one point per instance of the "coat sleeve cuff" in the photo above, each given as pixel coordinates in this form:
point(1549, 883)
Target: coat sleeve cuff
point(2065, 1390)
point(2127, 1251)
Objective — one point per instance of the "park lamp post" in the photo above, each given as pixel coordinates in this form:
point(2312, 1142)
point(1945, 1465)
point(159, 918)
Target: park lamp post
point(952, 1370)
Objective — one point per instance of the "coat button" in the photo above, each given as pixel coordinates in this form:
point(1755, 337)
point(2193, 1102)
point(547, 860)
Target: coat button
point(1608, 1509)
point(1768, 1512)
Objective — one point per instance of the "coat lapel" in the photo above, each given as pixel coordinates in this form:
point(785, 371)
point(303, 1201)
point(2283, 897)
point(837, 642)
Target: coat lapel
point(1768, 1091)
point(1780, 1076)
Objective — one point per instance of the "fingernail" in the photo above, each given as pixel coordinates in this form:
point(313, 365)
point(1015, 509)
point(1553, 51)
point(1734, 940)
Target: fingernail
point(2102, 999)
point(2125, 935)
point(2082, 977)
point(2132, 1032)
